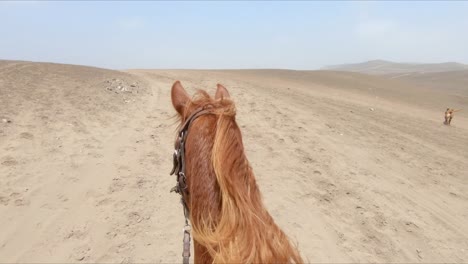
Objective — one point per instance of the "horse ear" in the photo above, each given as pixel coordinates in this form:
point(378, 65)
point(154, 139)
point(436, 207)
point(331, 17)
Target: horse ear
point(221, 92)
point(179, 97)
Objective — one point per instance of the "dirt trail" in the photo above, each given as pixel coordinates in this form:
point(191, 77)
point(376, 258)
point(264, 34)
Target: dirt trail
point(84, 170)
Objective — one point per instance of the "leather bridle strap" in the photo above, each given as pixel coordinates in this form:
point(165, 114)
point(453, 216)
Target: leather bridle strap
point(179, 152)
point(179, 170)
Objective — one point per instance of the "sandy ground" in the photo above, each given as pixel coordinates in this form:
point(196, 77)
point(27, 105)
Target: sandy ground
point(354, 168)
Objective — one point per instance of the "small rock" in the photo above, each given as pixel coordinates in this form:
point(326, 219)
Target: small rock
point(4, 120)
point(372, 109)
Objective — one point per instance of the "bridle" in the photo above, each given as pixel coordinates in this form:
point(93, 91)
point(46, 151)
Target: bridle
point(179, 171)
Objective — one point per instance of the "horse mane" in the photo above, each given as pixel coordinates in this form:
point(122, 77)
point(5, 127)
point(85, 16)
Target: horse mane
point(244, 231)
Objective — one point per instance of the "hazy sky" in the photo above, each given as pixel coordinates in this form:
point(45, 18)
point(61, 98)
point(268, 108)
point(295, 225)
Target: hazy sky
point(294, 35)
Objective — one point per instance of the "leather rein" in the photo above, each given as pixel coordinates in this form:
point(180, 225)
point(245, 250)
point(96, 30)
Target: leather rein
point(179, 171)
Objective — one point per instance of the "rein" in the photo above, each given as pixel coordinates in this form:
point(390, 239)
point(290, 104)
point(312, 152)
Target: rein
point(179, 171)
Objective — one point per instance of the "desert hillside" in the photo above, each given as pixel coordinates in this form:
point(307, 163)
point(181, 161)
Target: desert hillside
point(378, 67)
point(452, 82)
point(354, 167)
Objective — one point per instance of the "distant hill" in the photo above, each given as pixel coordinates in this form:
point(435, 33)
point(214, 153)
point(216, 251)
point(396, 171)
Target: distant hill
point(382, 67)
point(438, 89)
point(454, 82)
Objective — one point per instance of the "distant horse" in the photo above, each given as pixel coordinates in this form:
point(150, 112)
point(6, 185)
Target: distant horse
point(449, 113)
point(229, 221)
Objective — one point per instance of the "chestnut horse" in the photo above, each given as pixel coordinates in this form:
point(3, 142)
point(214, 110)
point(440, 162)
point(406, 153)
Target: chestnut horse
point(229, 221)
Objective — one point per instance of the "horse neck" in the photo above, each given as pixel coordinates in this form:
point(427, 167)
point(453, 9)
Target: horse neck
point(226, 209)
point(216, 167)
point(204, 193)
point(204, 196)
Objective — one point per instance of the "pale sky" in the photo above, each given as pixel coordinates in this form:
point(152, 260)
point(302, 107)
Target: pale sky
point(230, 34)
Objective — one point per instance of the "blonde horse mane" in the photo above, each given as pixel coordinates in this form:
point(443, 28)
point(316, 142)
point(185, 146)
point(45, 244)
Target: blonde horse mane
point(244, 231)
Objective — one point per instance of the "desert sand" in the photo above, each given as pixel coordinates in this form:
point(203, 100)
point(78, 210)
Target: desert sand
point(354, 168)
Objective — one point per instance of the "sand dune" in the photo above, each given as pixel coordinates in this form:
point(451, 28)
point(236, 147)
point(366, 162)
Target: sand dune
point(379, 67)
point(355, 168)
point(453, 82)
